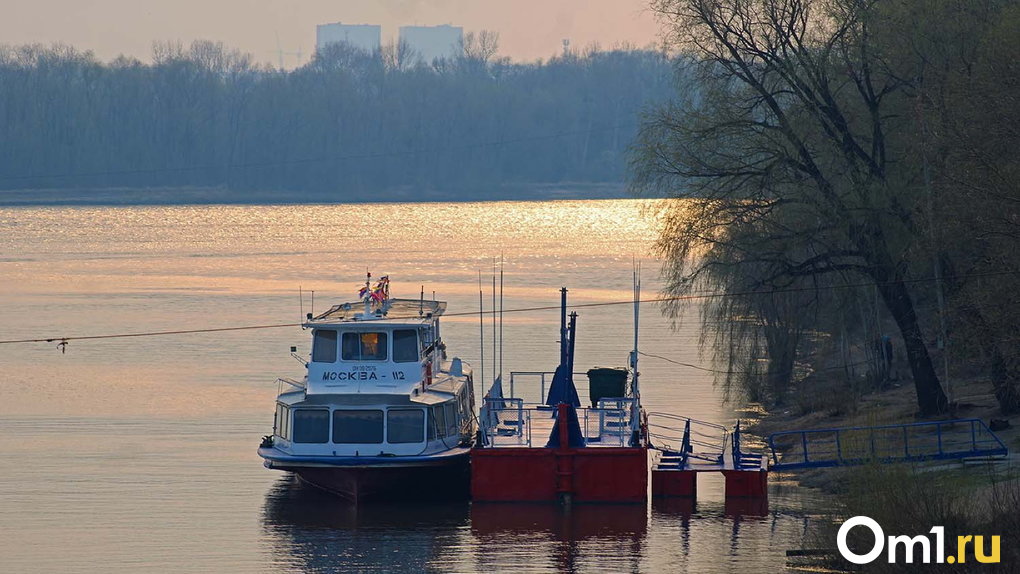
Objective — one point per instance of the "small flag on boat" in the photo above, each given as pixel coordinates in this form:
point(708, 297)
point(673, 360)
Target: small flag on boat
point(378, 293)
point(381, 291)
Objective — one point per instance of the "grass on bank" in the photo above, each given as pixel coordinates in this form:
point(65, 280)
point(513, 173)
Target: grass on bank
point(967, 499)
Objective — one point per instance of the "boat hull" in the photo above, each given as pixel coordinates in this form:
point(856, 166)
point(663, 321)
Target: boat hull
point(441, 477)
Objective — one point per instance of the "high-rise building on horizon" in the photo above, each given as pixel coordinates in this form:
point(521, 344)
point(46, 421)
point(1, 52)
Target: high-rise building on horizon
point(433, 42)
point(364, 36)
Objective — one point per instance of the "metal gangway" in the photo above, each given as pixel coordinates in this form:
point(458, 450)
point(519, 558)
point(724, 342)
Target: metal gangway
point(912, 442)
point(703, 447)
point(684, 441)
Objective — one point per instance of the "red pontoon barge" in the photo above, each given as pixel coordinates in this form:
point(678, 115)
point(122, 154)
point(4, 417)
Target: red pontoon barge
point(557, 450)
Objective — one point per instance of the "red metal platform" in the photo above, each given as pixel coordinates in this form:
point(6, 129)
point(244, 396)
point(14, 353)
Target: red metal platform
point(563, 473)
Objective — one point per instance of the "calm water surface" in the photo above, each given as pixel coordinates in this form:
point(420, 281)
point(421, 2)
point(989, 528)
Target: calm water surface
point(138, 455)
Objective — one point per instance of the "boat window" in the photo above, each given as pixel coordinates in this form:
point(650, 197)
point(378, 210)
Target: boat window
point(439, 420)
point(364, 347)
point(405, 425)
point(324, 346)
point(426, 339)
point(358, 427)
point(405, 346)
point(311, 425)
point(282, 421)
point(452, 427)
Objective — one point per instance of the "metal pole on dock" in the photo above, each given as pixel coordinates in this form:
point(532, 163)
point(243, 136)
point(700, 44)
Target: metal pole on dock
point(635, 388)
point(563, 325)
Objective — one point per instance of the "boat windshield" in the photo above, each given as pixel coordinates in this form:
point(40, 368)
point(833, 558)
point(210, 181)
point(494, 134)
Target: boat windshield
point(364, 347)
point(324, 346)
point(405, 346)
point(358, 426)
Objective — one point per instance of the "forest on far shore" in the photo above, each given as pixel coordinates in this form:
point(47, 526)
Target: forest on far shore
point(348, 126)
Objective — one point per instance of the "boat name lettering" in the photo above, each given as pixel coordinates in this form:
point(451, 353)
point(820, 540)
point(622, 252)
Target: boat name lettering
point(368, 368)
point(349, 376)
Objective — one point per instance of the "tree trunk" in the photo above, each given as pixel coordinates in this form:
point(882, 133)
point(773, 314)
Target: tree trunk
point(930, 397)
point(781, 344)
point(1005, 381)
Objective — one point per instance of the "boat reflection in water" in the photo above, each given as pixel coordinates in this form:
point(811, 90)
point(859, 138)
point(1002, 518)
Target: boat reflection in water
point(606, 537)
point(313, 530)
point(614, 521)
point(307, 529)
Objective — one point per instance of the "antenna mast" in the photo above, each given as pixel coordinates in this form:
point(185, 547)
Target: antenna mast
point(635, 388)
point(500, 315)
point(481, 331)
point(563, 325)
point(494, 349)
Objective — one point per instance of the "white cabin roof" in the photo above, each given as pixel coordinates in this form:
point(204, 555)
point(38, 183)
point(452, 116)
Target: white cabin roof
point(404, 311)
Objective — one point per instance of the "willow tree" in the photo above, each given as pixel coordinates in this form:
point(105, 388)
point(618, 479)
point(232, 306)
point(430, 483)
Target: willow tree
point(789, 146)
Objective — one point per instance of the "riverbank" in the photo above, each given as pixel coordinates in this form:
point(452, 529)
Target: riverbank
point(974, 498)
point(226, 196)
point(824, 405)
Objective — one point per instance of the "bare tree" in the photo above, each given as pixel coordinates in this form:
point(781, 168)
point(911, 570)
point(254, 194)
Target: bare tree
point(788, 133)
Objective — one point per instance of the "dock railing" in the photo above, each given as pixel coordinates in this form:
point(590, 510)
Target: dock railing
point(505, 422)
point(686, 439)
point(937, 440)
point(544, 378)
point(508, 422)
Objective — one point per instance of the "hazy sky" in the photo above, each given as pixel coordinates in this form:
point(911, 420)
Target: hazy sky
point(528, 29)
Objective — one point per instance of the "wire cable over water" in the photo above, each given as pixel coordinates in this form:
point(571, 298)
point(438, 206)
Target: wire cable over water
point(62, 340)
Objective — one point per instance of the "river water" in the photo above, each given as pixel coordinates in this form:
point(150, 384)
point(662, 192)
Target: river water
point(138, 454)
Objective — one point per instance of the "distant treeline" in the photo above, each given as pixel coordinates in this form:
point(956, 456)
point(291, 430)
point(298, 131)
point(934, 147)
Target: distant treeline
point(350, 123)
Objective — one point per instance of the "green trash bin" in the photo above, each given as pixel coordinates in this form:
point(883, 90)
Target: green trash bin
point(606, 383)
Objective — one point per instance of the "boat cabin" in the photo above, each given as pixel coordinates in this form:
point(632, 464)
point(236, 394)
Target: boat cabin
point(378, 384)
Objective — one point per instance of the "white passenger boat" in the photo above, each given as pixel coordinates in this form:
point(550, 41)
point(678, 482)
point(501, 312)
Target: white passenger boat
point(381, 413)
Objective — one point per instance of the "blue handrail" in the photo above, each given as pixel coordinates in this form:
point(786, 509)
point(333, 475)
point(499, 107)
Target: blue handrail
point(937, 440)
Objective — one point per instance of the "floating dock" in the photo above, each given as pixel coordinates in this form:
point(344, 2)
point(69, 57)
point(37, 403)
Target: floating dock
point(558, 451)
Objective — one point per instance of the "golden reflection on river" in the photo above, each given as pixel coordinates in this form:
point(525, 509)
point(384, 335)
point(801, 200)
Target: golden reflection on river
point(138, 454)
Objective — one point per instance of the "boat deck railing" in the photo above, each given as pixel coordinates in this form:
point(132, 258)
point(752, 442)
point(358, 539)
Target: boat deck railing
point(513, 423)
